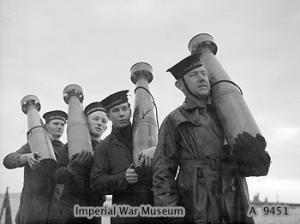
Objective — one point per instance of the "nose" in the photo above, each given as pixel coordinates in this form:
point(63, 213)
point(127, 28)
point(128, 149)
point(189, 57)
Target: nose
point(201, 74)
point(102, 124)
point(121, 113)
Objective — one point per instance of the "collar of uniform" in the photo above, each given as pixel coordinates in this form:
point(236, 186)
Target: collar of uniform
point(182, 115)
point(56, 142)
point(188, 112)
point(123, 134)
point(190, 104)
point(57, 146)
point(94, 143)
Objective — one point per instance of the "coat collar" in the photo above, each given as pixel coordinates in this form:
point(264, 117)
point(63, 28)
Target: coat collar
point(122, 142)
point(190, 104)
point(56, 143)
point(94, 143)
point(124, 135)
point(191, 110)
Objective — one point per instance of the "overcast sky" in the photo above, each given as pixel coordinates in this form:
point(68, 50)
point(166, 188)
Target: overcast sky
point(46, 45)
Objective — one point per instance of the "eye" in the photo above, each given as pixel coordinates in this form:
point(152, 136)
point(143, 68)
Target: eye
point(115, 110)
point(192, 74)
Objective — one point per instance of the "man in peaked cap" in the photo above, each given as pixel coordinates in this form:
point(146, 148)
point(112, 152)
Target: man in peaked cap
point(75, 173)
point(55, 122)
point(112, 169)
point(209, 184)
point(38, 185)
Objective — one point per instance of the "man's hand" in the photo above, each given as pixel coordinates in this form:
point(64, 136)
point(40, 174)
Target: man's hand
point(31, 158)
point(146, 156)
point(131, 175)
point(81, 159)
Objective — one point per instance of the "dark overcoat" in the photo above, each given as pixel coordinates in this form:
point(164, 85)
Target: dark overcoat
point(113, 156)
point(76, 191)
point(210, 189)
point(37, 189)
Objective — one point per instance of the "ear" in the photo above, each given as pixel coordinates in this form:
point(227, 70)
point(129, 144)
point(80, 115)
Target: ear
point(46, 125)
point(108, 116)
point(179, 85)
point(130, 112)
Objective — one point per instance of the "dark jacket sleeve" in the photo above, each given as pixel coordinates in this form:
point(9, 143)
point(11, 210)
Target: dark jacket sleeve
point(12, 160)
point(165, 166)
point(101, 180)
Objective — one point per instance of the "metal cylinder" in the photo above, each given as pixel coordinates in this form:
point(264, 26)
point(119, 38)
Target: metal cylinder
point(231, 107)
point(37, 135)
point(144, 125)
point(78, 134)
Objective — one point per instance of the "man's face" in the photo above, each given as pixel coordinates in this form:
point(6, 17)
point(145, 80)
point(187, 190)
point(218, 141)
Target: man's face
point(56, 128)
point(120, 115)
point(198, 82)
point(97, 123)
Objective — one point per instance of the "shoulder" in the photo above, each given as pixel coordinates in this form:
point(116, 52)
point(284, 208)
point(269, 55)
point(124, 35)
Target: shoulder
point(107, 140)
point(26, 146)
point(24, 149)
point(173, 118)
point(104, 144)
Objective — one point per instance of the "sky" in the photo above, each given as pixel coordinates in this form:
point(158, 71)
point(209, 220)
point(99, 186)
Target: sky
point(47, 45)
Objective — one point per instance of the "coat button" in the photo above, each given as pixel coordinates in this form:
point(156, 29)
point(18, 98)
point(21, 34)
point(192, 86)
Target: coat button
point(199, 173)
point(232, 188)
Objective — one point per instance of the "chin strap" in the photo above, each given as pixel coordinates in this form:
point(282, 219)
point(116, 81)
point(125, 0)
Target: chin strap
point(188, 89)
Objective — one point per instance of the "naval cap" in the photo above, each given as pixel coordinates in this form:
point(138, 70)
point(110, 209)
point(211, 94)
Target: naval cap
point(93, 107)
point(115, 99)
point(55, 114)
point(186, 65)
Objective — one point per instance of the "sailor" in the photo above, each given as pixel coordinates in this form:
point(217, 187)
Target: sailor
point(38, 185)
point(209, 184)
point(113, 171)
point(75, 173)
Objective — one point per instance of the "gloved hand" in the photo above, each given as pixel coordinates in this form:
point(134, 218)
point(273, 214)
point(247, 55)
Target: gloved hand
point(250, 154)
